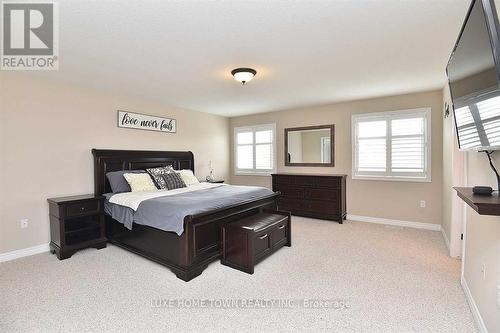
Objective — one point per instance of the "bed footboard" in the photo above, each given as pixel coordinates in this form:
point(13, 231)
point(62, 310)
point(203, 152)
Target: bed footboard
point(199, 245)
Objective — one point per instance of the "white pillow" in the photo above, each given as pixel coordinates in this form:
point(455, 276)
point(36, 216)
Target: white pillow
point(139, 182)
point(188, 177)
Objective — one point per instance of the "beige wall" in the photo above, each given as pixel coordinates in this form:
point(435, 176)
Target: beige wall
point(453, 175)
point(448, 191)
point(482, 244)
point(386, 199)
point(295, 146)
point(47, 131)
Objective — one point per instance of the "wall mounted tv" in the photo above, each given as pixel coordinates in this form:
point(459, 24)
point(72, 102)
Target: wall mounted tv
point(474, 79)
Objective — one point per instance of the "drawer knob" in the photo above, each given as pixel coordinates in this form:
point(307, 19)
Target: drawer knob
point(83, 208)
point(263, 236)
point(281, 226)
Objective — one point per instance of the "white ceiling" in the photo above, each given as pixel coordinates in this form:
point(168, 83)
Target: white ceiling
point(305, 52)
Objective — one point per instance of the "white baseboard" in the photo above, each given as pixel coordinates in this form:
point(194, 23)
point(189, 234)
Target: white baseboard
point(24, 252)
point(473, 307)
point(408, 224)
point(446, 239)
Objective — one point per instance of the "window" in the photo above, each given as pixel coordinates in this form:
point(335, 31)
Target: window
point(254, 149)
point(392, 145)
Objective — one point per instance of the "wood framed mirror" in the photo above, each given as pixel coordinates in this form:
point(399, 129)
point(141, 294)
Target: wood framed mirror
point(310, 146)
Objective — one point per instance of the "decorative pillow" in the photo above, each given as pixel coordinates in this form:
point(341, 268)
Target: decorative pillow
point(173, 180)
point(156, 174)
point(139, 182)
point(117, 181)
point(188, 177)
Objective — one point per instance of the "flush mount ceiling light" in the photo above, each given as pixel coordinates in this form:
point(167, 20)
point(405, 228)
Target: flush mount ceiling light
point(243, 75)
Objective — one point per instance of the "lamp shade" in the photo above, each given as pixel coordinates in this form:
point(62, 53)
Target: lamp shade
point(243, 75)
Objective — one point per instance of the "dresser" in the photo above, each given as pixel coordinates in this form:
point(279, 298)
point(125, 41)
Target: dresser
point(317, 196)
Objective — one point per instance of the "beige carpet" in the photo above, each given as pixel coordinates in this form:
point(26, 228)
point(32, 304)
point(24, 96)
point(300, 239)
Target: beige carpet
point(389, 279)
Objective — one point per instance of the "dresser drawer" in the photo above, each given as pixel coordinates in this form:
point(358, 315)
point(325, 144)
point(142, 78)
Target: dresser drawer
point(305, 181)
point(320, 207)
point(330, 182)
point(291, 192)
point(84, 207)
point(282, 179)
point(288, 204)
point(321, 194)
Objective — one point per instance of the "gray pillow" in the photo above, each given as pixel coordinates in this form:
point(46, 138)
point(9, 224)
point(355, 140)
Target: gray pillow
point(118, 183)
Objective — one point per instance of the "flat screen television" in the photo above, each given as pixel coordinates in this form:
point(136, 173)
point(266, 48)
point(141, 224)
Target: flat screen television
point(474, 79)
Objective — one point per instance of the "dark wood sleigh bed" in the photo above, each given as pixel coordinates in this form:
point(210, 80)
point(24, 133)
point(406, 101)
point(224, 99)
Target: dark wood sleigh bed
point(186, 255)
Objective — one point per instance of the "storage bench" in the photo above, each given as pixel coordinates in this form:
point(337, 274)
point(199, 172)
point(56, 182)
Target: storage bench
point(248, 241)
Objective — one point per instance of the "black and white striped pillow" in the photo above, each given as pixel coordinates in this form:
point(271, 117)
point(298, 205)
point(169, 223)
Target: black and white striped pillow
point(173, 180)
point(157, 173)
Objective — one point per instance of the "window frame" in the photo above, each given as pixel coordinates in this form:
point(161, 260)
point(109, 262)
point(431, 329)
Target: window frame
point(254, 171)
point(388, 116)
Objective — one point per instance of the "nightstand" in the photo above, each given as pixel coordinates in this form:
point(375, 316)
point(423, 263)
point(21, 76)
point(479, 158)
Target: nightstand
point(76, 222)
point(216, 181)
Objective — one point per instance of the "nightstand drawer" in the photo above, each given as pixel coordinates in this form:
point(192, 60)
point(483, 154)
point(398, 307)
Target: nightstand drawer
point(83, 207)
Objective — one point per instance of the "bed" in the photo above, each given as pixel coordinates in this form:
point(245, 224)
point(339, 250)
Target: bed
point(199, 243)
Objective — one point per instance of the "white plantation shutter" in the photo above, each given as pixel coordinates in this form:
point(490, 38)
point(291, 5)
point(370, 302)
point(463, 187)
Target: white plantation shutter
point(467, 130)
point(264, 149)
point(408, 145)
point(255, 149)
point(392, 145)
point(372, 146)
point(244, 150)
point(489, 112)
point(477, 118)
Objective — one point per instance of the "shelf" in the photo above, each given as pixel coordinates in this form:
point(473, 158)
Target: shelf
point(483, 204)
point(82, 236)
point(81, 223)
point(82, 229)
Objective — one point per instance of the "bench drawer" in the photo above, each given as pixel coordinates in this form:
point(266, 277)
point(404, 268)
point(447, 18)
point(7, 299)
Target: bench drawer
point(280, 234)
point(262, 245)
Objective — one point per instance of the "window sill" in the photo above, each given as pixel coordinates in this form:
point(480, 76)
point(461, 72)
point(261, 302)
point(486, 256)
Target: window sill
point(394, 179)
point(265, 174)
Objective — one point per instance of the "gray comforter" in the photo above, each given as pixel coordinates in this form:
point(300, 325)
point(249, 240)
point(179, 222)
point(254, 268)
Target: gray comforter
point(167, 213)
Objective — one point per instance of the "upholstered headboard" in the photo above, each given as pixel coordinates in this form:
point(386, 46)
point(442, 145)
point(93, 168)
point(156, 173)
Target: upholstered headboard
point(115, 160)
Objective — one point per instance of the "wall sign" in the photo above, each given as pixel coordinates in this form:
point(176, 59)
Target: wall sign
point(145, 122)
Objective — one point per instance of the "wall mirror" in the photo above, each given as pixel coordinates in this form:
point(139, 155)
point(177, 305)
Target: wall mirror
point(310, 146)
